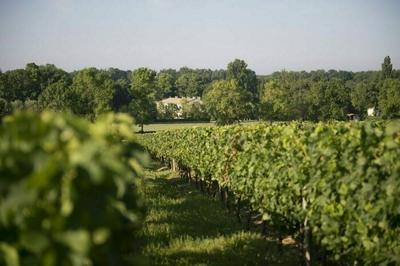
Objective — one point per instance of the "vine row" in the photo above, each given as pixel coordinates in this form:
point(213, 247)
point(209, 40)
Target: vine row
point(335, 185)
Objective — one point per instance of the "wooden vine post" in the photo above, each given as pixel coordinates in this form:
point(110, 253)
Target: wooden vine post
point(173, 165)
point(307, 235)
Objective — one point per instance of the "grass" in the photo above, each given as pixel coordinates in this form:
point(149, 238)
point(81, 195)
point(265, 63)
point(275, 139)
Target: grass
point(186, 227)
point(175, 125)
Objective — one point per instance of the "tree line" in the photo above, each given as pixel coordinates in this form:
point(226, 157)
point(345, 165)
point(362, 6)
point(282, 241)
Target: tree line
point(230, 95)
point(316, 96)
point(90, 91)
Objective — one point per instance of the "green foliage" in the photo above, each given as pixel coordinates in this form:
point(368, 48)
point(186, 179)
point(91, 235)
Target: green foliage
point(17, 105)
point(194, 111)
point(143, 81)
point(94, 91)
point(165, 85)
point(272, 101)
point(143, 106)
point(57, 96)
point(246, 78)
point(284, 95)
point(285, 99)
point(5, 108)
point(342, 177)
point(364, 96)
point(227, 103)
point(122, 96)
point(28, 83)
point(185, 82)
point(329, 100)
point(188, 85)
point(389, 98)
point(167, 111)
point(387, 68)
point(31, 105)
point(68, 189)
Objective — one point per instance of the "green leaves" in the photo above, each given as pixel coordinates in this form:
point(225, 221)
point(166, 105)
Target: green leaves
point(346, 173)
point(60, 180)
point(226, 102)
point(10, 254)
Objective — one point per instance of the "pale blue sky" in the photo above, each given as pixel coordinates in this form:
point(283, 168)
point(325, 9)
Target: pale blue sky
point(268, 35)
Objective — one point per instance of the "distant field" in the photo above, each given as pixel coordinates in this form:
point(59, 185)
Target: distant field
point(168, 126)
point(174, 125)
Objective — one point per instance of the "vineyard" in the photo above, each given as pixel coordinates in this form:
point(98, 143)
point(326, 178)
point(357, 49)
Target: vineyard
point(73, 192)
point(199, 133)
point(333, 186)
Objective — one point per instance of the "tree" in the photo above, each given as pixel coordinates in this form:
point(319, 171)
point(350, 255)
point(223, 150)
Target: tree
point(285, 98)
point(194, 111)
point(273, 101)
point(227, 102)
point(117, 74)
point(387, 68)
point(95, 90)
point(245, 77)
point(363, 96)
point(28, 83)
point(5, 108)
point(389, 98)
point(165, 85)
point(329, 100)
point(17, 85)
point(188, 84)
point(122, 97)
point(57, 96)
point(33, 73)
point(142, 105)
point(299, 99)
point(218, 74)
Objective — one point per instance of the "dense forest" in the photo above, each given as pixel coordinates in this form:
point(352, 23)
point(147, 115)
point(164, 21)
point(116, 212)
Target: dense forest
point(230, 95)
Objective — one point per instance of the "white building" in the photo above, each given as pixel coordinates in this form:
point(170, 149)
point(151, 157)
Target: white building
point(179, 102)
point(371, 111)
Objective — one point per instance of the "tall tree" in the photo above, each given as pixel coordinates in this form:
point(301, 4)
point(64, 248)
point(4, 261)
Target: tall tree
point(142, 105)
point(273, 101)
point(285, 98)
point(165, 85)
point(329, 100)
point(28, 83)
point(17, 85)
point(227, 102)
point(387, 68)
point(95, 89)
point(188, 85)
point(364, 95)
point(245, 77)
point(122, 96)
point(57, 96)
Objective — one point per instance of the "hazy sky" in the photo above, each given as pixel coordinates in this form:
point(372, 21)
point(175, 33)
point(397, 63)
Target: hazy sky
point(268, 35)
